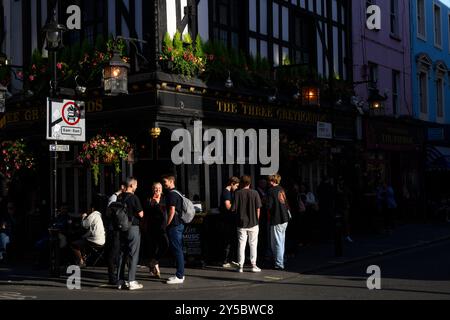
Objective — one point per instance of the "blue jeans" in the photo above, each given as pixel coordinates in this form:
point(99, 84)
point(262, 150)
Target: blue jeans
point(4, 241)
point(176, 245)
point(278, 239)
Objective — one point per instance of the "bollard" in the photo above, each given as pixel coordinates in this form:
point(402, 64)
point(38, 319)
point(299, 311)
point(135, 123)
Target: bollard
point(338, 241)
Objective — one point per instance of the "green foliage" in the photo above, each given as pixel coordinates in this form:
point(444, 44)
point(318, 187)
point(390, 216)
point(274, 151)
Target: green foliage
point(168, 42)
point(199, 47)
point(183, 58)
point(104, 150)
point(177, 42)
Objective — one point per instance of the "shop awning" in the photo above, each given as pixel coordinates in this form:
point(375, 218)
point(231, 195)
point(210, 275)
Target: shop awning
point(438, 158)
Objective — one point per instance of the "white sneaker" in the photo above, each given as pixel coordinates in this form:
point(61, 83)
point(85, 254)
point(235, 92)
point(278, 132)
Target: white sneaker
point(175, 280)
point(227, 265)
point(134, 285)
point(240, 269)
point(123, 285)
point(256, 269)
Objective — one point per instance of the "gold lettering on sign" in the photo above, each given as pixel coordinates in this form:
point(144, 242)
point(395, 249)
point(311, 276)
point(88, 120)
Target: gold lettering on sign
point(227, 107)
point(99, 105)
point(269, 112)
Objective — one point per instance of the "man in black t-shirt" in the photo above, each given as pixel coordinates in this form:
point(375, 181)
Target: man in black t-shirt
point(229, 236)
point(130, 240)
point(175, 227)
point(247, 205)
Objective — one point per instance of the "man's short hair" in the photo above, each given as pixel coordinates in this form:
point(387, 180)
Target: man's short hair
point(275, 178)
point(169, 177)
point(129, 182)
point(246, 181)
point(233, 181)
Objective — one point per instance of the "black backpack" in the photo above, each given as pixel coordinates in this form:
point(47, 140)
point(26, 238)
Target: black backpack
point(117, 213)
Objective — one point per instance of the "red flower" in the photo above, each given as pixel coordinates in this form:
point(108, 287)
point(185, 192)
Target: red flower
point(59, 65)
point(31, 78)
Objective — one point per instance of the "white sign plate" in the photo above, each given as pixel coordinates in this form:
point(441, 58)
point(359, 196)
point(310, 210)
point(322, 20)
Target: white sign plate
point(66, 121)
point(324, 130)
point(59, 148)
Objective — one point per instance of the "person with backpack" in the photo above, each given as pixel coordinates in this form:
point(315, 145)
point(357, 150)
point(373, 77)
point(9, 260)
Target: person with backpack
point(130, 236)
point(279, 219)
point(175, 227)
point(113, 235)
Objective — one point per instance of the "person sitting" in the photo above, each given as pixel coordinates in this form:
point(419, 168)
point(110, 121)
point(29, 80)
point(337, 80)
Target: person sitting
point(6, 228)
point(94, 237)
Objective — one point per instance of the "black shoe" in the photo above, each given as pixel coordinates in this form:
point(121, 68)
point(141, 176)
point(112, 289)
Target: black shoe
point(278, 268)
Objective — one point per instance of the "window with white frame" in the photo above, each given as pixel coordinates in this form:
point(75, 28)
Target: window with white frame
point(437, 26)
point(448, 33)
point(421, 19)
point(423, 64)
point(373, 76)
point(395, 92)
point(441, 70)
point(395, 26)
point(423, 91)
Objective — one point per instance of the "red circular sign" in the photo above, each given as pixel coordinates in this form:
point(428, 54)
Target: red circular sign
point(73, 116)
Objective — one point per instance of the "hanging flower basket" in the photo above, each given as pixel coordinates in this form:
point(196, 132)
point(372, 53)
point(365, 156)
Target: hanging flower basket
point(14, 157)
point(109, 158)
point(109, 150)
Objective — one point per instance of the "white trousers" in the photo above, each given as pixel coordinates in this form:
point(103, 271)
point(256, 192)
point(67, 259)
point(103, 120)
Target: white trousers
point(252, 236)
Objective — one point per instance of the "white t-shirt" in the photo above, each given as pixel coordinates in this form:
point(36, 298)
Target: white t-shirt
point(96, 233)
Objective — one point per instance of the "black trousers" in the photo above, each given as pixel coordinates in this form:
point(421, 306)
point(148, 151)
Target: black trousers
point(159, 243)
point(113, 254)
point(229, 237)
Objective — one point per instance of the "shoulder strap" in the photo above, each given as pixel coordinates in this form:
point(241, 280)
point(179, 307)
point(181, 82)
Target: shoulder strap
point(177, 192)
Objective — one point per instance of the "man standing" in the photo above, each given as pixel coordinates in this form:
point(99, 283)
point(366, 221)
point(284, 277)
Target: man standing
point(247, 206)
point(130, 240)
point(279, 218)
point(229, 222)
point(175, 227)
point(113, 238)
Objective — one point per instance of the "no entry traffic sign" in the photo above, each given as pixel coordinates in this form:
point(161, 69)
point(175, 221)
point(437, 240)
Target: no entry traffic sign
point(65, 121)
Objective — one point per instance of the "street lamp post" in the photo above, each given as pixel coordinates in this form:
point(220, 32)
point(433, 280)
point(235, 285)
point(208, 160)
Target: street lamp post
point(54, 37)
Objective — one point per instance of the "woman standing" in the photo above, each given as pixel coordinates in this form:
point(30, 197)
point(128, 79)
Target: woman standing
point(156, 228)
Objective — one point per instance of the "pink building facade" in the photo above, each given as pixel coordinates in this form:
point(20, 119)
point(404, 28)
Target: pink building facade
point(383, 56)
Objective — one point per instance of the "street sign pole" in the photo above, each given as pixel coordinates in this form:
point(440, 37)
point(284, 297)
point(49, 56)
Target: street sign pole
point(54, 255)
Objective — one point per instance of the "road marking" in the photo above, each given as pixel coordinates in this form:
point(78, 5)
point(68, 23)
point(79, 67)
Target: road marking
point(273, 278)
point(14, 296)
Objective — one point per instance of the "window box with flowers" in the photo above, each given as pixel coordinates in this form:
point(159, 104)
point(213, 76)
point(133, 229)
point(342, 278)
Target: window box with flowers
point(14, 158)
point(181, 56)
point(85, 62)
point(109, 150)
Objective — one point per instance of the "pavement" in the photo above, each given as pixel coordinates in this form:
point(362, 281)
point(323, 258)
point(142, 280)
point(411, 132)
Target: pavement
point(22, 282)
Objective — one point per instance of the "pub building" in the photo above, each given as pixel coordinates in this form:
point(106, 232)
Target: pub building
point(311, 33)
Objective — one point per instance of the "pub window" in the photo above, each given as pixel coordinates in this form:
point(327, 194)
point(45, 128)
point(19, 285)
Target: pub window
point(93, 21)
point(226, 22)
